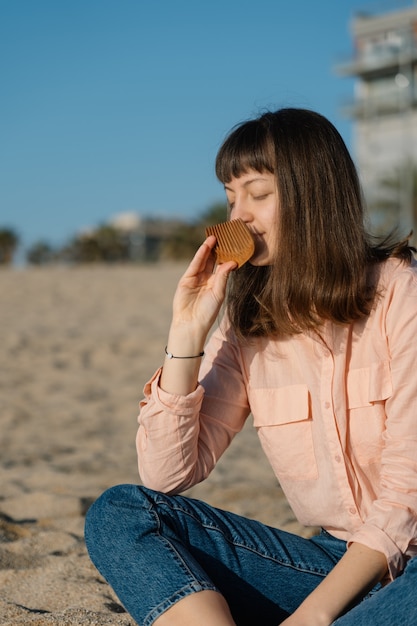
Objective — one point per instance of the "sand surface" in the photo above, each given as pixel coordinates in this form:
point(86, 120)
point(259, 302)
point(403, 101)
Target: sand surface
point(77, 346)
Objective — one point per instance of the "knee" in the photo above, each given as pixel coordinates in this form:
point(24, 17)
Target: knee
point(101, 511)
point(110, 512)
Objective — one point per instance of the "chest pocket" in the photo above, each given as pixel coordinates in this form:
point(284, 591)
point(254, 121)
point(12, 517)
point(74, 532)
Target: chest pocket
point(368, 389)
point(282, 418)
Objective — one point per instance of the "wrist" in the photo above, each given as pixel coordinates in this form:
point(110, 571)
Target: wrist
point(185, 341)
point(170, 355)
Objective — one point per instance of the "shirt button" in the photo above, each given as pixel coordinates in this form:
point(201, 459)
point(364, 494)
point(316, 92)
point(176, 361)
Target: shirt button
point(337, 458)
point(327, 405)
point(352, 510)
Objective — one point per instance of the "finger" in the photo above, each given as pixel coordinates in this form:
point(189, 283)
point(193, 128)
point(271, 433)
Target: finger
point(221, 278)
point(210, 241)
point(224, 269)
point(203, 258)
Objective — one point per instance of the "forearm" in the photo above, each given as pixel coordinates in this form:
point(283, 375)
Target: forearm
point(351, 579)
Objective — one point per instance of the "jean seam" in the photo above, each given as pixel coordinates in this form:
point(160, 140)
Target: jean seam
point(298, 567)
point(152, 511)
point(180, 559)
point(192, 587)
point(177, 507)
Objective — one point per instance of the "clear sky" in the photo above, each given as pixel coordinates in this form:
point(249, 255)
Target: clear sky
point(109, 106)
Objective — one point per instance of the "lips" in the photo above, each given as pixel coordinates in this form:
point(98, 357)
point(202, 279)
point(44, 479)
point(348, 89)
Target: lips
point(259, 243)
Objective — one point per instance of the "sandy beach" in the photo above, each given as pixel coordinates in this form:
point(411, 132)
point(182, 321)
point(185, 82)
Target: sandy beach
point(78, 344)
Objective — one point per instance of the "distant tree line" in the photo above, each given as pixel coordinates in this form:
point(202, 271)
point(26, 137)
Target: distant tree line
point(161, 239)
point(155, 239)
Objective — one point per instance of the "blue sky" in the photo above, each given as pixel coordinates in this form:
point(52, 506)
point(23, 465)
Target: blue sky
point(109, 106)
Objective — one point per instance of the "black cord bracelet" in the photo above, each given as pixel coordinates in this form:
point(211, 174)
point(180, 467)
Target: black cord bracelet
point(172, 356)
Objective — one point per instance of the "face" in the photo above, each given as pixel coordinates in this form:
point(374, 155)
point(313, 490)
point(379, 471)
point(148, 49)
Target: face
point(253, 197)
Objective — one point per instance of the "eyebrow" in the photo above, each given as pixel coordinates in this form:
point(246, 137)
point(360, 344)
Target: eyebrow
point(249, 182)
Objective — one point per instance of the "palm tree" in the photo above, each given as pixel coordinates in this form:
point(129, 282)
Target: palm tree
point(8, 244)
point(40, 253)
point(186, 237)
point(106, 244)
point(215, 214)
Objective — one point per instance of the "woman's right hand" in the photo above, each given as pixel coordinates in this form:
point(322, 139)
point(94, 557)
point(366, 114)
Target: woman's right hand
point(201, 290)
point(199, 295)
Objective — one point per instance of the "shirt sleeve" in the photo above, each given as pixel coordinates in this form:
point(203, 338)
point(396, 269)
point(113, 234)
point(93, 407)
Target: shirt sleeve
point(181, 438)
point(391, 526)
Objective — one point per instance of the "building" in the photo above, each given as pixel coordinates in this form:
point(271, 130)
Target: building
point(145, 237)
point(384, 111)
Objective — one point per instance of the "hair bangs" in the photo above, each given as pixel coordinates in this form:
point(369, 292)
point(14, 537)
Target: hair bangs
point(248, 147)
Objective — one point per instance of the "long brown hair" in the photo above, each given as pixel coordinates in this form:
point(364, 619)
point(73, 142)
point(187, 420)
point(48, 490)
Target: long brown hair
point(320, 271)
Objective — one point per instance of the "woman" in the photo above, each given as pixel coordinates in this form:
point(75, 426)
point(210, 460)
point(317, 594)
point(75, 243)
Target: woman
point(318, 342)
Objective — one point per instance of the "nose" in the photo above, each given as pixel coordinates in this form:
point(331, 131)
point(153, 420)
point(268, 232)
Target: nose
point(241, 210)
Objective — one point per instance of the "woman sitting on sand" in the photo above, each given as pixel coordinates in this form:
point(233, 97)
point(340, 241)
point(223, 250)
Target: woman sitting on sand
point(318, 343)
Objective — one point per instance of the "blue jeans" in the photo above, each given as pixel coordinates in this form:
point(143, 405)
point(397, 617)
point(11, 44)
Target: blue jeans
point(155, 549)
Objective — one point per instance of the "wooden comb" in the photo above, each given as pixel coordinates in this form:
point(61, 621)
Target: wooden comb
point(234, 241)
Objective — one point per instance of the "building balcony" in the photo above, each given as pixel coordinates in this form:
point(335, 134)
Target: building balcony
point(378, 62)
point(394, 102)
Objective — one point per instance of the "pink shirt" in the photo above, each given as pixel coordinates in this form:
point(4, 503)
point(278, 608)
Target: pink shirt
point(336, 417)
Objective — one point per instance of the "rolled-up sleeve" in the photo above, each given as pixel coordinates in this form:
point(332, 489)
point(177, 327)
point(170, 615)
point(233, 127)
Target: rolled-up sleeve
point(181, 438)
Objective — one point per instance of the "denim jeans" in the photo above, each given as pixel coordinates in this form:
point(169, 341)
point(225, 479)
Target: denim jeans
point(155, 549)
